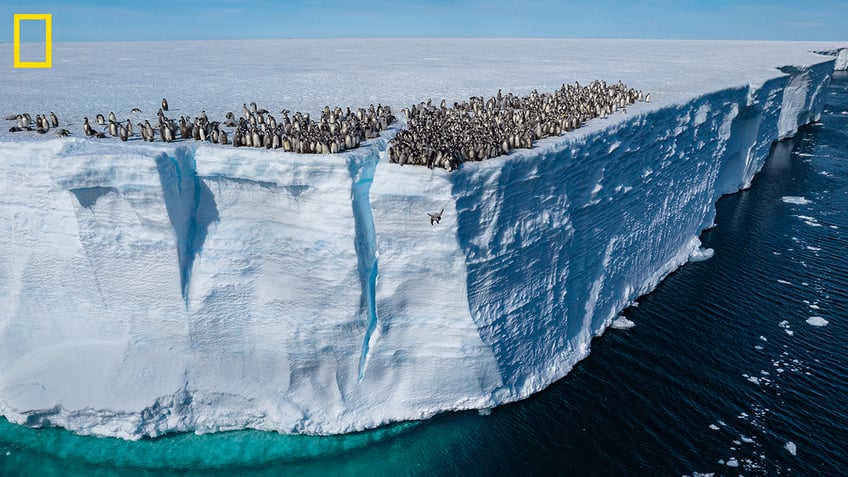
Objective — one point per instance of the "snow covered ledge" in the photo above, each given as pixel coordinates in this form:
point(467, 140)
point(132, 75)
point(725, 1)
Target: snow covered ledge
point(148, 289)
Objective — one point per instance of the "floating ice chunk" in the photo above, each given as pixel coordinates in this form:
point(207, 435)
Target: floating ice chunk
point(783, 324)
point(754, 379)
point(815, 307)
point(622, 323)
point(791, 199)
point(746, 439)
point(701, 254)
point(784, 282)
point(816, 321)
point(732, 462)
point(714, 427)
point(758, 348)
point(789, 332)
point(790, 446)
point(811, 221)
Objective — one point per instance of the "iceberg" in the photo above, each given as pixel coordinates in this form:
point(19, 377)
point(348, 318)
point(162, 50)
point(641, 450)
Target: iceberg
point(155, 288)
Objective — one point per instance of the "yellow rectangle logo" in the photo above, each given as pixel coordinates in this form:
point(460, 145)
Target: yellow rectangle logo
point(47, 18)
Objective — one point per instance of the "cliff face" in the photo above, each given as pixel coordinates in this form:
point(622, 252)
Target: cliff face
point(149, 289)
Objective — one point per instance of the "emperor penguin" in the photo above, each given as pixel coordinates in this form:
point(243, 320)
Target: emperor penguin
point(53, 119)
point(164, 104)
point(435, 218)
point(87, 127)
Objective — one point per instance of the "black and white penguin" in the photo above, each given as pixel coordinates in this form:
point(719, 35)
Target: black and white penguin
point(164, 104)
point(435, 218)
point(53, 119)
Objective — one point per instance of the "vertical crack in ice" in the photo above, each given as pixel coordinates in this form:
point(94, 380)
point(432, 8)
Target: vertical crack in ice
point(191, 208)
point(362, 173)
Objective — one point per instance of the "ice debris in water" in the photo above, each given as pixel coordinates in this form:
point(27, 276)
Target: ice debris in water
point(789, 199)
point(790, 446)
point(701, 254)
point(816, 321)
point(622, 323)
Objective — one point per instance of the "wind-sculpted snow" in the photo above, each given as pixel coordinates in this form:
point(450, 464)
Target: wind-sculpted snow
point(147, 288)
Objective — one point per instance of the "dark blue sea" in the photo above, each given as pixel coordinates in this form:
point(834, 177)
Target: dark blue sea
point(736, 365)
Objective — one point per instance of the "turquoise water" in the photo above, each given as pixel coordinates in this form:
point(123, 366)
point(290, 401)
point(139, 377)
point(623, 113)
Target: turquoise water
point(721, 372)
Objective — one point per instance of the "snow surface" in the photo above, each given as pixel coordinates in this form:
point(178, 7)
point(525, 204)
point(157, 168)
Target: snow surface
point(148, 288)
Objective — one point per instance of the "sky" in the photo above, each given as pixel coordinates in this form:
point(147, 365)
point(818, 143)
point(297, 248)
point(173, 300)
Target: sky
point(118, 20)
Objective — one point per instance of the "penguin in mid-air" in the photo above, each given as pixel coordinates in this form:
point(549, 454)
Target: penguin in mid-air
point(435, 218)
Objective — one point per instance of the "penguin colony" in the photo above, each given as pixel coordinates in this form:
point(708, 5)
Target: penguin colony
point(445, 137)
point(483, 129)
point(336, 130)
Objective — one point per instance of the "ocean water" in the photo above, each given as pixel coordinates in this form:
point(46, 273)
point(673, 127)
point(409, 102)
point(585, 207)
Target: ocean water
point(735, 365)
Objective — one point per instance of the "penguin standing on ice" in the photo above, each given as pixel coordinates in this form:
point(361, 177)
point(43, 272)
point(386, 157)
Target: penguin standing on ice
point(164, 104)
point(53, 119)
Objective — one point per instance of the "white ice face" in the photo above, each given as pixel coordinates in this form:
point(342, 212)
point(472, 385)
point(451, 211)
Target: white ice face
point(152, 288)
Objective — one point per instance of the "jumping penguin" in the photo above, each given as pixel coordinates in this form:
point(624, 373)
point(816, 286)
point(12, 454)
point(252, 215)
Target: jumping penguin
point(435, 218)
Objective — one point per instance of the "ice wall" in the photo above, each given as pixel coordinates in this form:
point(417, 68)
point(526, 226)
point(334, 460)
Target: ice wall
point(152, 288)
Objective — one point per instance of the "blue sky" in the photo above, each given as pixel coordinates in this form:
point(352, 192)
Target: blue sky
point(78, 20)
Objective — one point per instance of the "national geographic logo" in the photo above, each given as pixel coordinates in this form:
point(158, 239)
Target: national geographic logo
point(47, 18)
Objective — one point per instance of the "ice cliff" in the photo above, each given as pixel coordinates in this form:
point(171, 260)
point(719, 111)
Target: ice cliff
point(152, 288)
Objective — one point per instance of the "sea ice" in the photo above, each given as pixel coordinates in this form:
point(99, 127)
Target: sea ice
point(816, 321)
point(795, 200)
point(200, 287)
point(622, 323)
point(701, 254)
point(790, 446)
